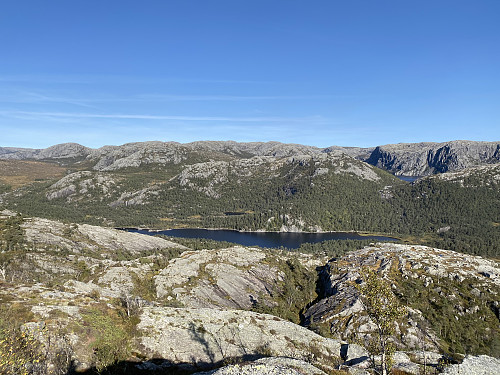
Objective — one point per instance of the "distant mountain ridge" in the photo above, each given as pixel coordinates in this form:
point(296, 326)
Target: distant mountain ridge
point(70, 150)
point(407, 159)
point(270, 186)
point(423, 159)
point(60, 151)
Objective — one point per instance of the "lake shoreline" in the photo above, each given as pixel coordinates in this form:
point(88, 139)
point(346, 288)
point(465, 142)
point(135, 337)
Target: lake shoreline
point(269, 239)
point(365, 234)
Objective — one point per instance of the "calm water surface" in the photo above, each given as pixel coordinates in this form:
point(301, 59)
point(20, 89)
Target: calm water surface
point(263, 239)
point(409, 178)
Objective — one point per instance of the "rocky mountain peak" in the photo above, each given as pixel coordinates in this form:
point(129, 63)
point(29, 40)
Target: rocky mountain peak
point(409, 159)
point(421, 159)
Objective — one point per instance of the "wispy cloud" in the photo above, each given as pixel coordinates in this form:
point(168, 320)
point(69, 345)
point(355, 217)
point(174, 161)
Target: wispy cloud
point(91, 79)
point(50, 79)
point(218, 97)
point(35, 115)
point(25, 97)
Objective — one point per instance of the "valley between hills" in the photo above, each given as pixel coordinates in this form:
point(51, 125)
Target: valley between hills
point(79, 296)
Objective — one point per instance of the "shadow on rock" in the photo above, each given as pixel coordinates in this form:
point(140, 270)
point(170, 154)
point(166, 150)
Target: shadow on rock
point(161, 367)
point(152, 367)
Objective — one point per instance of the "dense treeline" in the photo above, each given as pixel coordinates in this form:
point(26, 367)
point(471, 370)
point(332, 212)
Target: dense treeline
point(459, 218)
point(432, 211)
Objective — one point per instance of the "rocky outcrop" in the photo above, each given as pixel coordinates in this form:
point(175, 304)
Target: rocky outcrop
point(74, 278)
point(136, 198)
point(86, 259)
point(343, 313)
point(79, 285)
point(234, 278)
point(167, 337)
point(477, 365)
point(242, 149)
point(213, 173)
point(422, 159)
point(268, 366)
point(210, 177)
point(84, 238)
point(111, 158)
point(82, 185)
point(485, 175)
point(210, 336)
point(64, 151)
point(359, 153)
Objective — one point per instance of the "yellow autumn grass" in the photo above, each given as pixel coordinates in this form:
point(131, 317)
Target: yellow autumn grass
point(17, 173)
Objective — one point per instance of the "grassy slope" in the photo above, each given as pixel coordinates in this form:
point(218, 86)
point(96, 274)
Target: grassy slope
point(16, 173)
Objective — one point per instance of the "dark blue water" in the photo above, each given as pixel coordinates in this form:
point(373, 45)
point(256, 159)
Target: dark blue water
point(409, 178)
point(263, 239)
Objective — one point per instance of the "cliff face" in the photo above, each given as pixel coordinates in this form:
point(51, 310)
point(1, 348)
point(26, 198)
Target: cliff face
point(422, 159)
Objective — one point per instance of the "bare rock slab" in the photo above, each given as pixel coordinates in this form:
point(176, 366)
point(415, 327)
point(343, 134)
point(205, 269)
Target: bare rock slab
point(187, 335)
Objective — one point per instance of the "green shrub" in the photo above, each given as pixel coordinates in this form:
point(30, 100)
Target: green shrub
point(109, 335)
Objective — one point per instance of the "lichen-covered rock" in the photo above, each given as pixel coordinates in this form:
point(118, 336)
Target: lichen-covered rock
point(236, 277)
point(83, 185)
point(111, 158)
point(268, 366)
point(83, 237)
point(477, 365)
point(134, 198)
point(211, 335)
point(402, 362)
point(354, 354)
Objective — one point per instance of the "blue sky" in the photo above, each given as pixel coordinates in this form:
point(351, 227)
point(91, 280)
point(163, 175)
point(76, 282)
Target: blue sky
point(349, 73)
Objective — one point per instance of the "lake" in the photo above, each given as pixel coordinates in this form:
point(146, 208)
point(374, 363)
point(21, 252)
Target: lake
point(291, 240)
point(409, 178)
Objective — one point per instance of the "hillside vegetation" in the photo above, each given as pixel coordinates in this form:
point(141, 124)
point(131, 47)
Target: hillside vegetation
point(264, 186)
point(76, 298)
